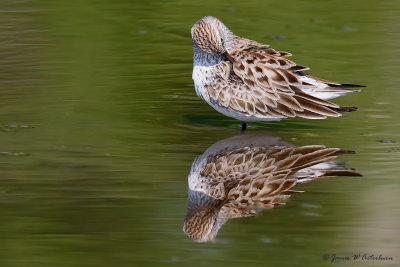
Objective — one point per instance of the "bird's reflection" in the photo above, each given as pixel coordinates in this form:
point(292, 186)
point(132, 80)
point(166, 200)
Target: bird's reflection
point(239, 176)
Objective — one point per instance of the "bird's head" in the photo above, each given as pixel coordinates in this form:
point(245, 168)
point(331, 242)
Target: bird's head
point(210, 35)
point(202, 220)
point(202, 225)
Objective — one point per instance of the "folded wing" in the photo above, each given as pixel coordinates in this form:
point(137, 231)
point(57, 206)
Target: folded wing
point(254, 85)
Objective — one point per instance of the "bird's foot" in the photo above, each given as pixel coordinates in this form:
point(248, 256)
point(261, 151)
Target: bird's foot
point(244, 127)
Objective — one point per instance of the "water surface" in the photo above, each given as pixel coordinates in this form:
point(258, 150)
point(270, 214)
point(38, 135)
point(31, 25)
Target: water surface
point(100, 123)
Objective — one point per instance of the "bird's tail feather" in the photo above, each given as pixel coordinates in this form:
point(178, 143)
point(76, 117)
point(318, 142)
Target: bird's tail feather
point(345, 109)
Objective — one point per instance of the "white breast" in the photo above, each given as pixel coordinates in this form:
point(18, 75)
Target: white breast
point(203, 71)
point(199, 77)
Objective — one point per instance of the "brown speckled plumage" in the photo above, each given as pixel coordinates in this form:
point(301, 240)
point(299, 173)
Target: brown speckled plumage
point(247, 80)
point(239, 176)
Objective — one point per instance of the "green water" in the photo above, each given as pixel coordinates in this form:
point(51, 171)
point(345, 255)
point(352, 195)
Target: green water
point(99, 125)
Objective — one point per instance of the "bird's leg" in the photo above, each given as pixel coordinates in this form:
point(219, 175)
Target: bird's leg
point(244, 126)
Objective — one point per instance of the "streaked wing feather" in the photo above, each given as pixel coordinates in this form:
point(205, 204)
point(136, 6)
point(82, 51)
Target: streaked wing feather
point(250, 85)
point(267, 185)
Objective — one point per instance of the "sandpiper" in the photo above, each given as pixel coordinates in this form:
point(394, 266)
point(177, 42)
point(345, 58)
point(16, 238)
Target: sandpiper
point(239, 176)
point(248, 81)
